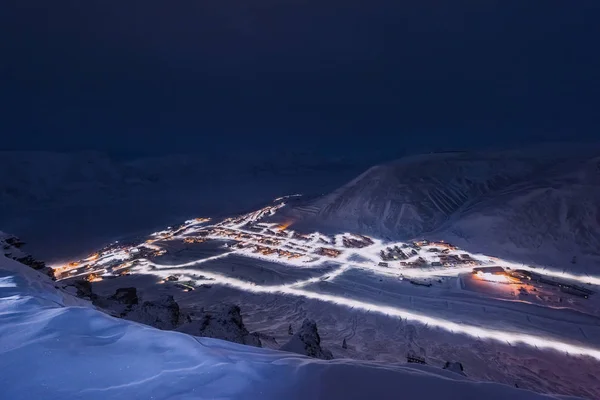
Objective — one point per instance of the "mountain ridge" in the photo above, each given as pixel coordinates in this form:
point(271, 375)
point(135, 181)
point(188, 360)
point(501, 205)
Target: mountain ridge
point(526, 199)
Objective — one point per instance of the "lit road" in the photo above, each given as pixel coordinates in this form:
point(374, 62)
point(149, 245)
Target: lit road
point(347, 251)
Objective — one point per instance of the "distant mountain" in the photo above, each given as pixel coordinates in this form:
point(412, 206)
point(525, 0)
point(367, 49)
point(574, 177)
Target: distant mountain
point(47, 179)
point(535, 205)
point(69, 203)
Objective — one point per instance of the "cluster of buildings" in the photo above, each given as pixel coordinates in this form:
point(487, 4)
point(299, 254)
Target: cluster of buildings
point(419, 262)
point(113, 260)
point(501, 275)
point(253, 217)
point(280, 233)
point(441, 245)
point(395, 253)
point(265, 251)
point(328, 252)
point(118, 257)
point(564, 287)
point(241, 236)
point(192, 239)
point(356, 241)
point(253, 236)
point(424, 253)
point(453, 260)
point(299, 236)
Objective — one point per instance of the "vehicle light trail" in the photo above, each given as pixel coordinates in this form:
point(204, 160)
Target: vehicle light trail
point(453, 327)
point(330, 276)
point(191, 263)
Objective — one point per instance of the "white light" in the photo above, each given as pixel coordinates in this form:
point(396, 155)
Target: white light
point(473, 331)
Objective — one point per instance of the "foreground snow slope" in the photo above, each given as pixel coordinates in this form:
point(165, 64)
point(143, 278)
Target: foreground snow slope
point(55, 346)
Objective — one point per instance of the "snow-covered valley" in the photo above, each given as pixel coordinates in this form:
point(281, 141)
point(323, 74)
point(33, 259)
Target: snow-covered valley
point(485, 263)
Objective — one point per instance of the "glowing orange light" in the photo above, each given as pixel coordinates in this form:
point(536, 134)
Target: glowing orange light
point(93, 257)
point(285, 225)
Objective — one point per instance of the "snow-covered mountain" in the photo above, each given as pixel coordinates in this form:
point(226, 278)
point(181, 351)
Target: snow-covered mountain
point(67, 204)
point(54, 345)
point(46, 179)
point(536, 205)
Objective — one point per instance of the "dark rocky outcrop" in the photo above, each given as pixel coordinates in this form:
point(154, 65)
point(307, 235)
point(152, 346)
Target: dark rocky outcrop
point(162, 313)
point(307, 342)
point(120, 303)
point(127, 296)
point(31, 262)
point(266, 338)
point(14, 242)
point(455, 366)
point(84, 289)
point(222, 322)
point(11, 248)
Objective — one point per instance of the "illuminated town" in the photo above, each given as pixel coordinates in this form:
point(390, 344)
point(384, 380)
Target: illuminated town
point(420, 263)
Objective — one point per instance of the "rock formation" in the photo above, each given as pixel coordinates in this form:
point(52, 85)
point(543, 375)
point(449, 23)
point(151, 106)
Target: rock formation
point(454, 366)
point(222, 322)
point(162, 313)
point(11, 248)
point(307, 342)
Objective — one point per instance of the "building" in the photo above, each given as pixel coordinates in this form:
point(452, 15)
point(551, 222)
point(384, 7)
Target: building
point(490, 270)
point(576, 292)
point(521, 274)
point(420, 283)
point(415, 359)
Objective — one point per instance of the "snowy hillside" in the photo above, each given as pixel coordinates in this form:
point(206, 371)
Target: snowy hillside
point(535, 206)
point(56, 346)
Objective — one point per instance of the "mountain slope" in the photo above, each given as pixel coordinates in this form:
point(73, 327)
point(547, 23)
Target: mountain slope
point(56, 346)
point(532, 204)
point(553, 219)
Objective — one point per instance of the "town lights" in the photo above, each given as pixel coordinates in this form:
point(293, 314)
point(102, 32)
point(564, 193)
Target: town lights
point(418, 262)
point(497, 278)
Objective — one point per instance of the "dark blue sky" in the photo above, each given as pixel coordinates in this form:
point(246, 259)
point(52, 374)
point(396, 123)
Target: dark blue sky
point(376, 76)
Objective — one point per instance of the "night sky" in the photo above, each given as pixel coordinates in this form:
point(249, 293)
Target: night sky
point(330, 77)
